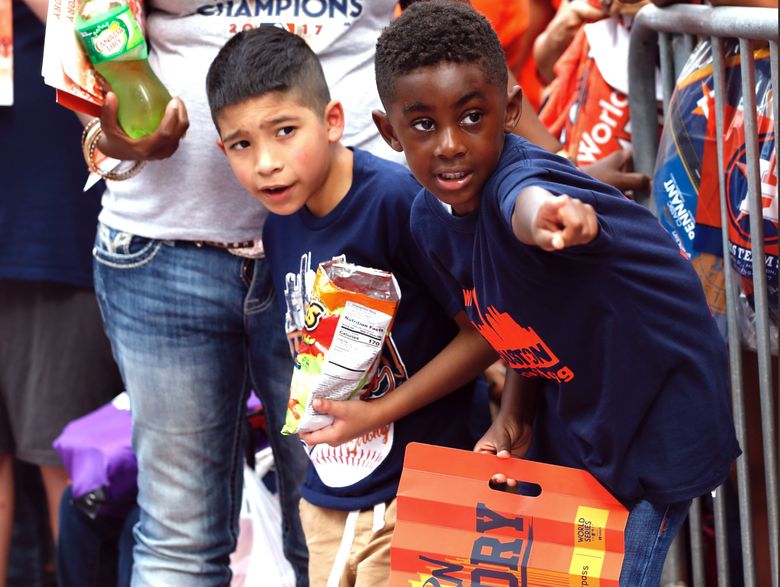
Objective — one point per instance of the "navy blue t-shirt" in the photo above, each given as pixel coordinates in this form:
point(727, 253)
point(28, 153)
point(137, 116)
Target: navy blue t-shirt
point(637, 383)
point(370, 226)
point(47, 224)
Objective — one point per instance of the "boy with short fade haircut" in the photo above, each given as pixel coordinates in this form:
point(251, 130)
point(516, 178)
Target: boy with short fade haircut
point(281, 132)
point(578, 288)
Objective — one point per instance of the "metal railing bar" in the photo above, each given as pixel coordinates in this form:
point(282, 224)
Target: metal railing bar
point(697, 548)
point(668, 77)
point(721, 537)
point(683, 47)
point(723, 21)
point(735, 345)
point(773, 64)
point(763, 350)
point(642, 60)
point(689, 42)
point(674, 564)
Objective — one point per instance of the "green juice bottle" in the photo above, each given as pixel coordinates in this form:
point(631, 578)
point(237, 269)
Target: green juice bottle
point(115, 45)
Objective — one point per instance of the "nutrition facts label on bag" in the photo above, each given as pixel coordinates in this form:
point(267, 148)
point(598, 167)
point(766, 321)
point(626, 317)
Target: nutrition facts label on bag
point(356, 344)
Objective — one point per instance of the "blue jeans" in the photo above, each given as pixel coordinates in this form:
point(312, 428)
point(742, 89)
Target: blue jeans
point(93, 552)
point(649, 533)
point(191, 328)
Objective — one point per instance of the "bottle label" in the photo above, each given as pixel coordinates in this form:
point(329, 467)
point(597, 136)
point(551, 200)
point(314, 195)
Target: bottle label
point(111, 36)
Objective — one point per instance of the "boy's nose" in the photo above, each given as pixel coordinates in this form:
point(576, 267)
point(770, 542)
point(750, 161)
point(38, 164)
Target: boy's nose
point(450, 145)
point(267, 162)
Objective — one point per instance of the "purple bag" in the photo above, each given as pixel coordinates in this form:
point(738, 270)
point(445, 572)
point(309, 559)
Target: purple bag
point(97, 454)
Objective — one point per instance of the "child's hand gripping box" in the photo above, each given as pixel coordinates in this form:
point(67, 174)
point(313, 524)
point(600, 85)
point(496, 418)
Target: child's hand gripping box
point(454, 530)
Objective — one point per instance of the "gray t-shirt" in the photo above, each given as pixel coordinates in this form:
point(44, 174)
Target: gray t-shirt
point(193, 195)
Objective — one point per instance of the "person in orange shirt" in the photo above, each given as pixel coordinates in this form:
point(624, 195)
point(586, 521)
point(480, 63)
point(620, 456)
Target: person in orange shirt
point(517, 25)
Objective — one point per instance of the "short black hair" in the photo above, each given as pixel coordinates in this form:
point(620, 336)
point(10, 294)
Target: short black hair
point(266, 59)
point(434, 32)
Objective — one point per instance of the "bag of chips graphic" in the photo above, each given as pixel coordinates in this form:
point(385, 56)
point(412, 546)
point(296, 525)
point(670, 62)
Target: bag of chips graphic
point(347, 319)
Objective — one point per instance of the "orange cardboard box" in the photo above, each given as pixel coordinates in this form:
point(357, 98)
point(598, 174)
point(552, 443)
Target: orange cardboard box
point(454, 530)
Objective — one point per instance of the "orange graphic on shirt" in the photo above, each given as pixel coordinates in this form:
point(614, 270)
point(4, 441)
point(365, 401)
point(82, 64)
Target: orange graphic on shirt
point(520, 347)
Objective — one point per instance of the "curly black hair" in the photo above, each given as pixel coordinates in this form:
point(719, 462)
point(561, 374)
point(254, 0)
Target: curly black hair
point(433, 32)
point(267, 59)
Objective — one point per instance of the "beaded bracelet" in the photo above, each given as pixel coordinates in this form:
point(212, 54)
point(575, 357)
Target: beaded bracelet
point(89, 140)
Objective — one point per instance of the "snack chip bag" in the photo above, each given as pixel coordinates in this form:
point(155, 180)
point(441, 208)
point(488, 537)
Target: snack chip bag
point(346, 321)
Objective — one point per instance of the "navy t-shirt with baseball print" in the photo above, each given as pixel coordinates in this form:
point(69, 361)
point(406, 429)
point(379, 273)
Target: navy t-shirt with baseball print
point(370, 227)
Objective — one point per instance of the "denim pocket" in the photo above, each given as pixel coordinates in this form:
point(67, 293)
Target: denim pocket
point(262, 294)
point(123, 250)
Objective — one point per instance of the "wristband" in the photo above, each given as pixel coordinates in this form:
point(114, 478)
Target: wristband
point(89, 140)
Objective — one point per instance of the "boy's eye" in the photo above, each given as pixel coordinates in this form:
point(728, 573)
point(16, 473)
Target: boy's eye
point(285, 131)
point(472, 118)
point(424, 125)
point(239, 145)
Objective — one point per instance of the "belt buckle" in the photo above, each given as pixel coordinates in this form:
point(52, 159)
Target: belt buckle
point(254, 250)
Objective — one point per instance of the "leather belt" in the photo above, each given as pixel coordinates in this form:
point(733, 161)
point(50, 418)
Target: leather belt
point(218, 245)
point(248, 249)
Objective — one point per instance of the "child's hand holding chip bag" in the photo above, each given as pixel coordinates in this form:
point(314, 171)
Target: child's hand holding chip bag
point(349, 314)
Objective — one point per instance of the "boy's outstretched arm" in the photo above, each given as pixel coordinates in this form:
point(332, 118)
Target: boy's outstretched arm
point(463, 359)
point(552, 222)
point(510, 433)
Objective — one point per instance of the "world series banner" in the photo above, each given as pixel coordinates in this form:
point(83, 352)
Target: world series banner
point(587, 107)
point(453, 529)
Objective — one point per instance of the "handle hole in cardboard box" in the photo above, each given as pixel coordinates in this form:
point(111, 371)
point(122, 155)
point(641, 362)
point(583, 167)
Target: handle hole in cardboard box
point(517, 487)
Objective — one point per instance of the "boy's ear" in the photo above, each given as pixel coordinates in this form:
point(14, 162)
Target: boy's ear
point(382, 123)
point(334, 120)
point(221, 146)
point(514, 108)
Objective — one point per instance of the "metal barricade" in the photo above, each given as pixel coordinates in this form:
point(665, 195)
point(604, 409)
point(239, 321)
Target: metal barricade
point(666, 37)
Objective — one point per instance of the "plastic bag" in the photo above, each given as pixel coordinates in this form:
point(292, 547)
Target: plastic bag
point(738, 207)
point(685, 185)
point(259, 556)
